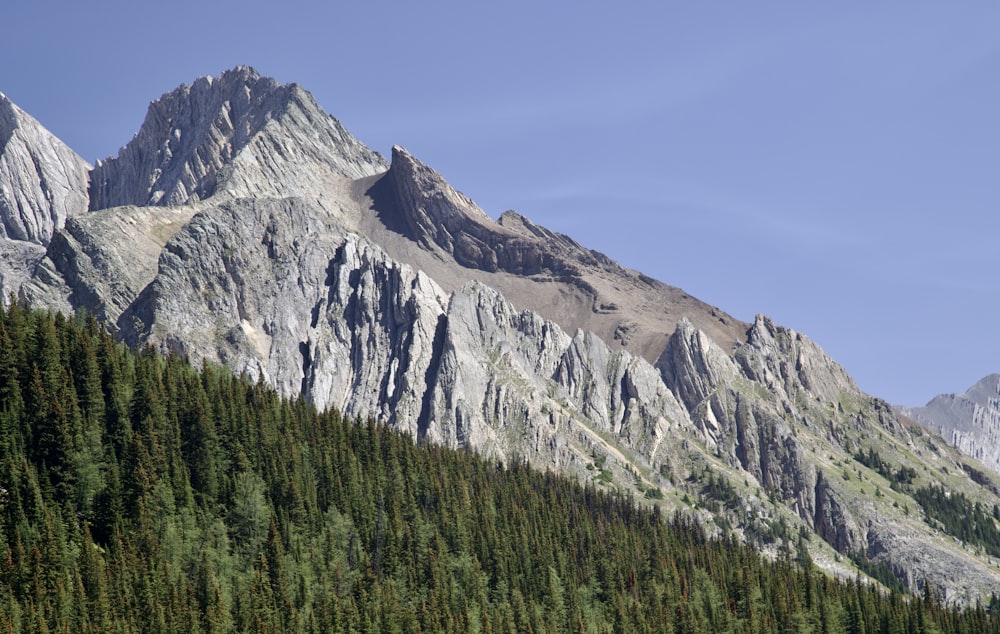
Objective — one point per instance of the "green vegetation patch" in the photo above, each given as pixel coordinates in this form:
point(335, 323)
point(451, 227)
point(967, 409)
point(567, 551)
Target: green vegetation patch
point(960, 517)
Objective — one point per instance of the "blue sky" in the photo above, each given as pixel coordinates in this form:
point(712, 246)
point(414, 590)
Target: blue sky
point(832, 165)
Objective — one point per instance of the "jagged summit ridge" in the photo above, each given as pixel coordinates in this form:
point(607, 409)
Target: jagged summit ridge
point(437, 216)
point(240, 133)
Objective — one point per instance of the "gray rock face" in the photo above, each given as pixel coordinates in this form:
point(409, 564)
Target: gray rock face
point(348, 327)
point(971, 420)
point(18, 263)
point(42, 183)
point(100, 262)
point(513, 383)
point(786, 417)
point(240, 132)
point(833, 522)
point(244, 226)
point(336, 319)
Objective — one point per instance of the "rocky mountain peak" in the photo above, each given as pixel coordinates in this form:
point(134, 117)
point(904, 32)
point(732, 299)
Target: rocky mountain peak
point(777, 355)
point(240, 133)
point(433, 211)
point(438, 217)
point(42, 181)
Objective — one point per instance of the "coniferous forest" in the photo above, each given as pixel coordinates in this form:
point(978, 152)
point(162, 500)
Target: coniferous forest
point(138, 494)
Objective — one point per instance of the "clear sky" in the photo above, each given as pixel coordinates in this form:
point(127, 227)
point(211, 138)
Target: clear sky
point(833, 165)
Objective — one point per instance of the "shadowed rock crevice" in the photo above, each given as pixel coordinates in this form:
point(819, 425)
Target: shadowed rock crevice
point(430, 377)
point(306, 353)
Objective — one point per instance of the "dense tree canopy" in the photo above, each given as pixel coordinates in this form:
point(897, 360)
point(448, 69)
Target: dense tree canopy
point(138, 494)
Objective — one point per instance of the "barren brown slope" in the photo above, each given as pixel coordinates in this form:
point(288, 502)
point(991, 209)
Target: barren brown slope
point(418, 218)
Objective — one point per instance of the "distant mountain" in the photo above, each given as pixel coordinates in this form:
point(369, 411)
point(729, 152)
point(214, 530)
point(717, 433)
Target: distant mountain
point(970, 421)
point(242, 225)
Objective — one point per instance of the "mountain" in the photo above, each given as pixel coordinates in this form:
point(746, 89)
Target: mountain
point(244, 226)
point(970, 421)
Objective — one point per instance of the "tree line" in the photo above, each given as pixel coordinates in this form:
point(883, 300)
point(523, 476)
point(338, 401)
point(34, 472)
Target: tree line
point(140, 494)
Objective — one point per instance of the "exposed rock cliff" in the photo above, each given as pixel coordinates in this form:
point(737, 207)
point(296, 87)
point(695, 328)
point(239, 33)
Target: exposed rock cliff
point(244, 226)
point(42, 182)
point(436, 215)
point(100, 262)
point(347, 326)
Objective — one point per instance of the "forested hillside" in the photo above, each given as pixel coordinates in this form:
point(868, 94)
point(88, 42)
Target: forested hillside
point(138, 494)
